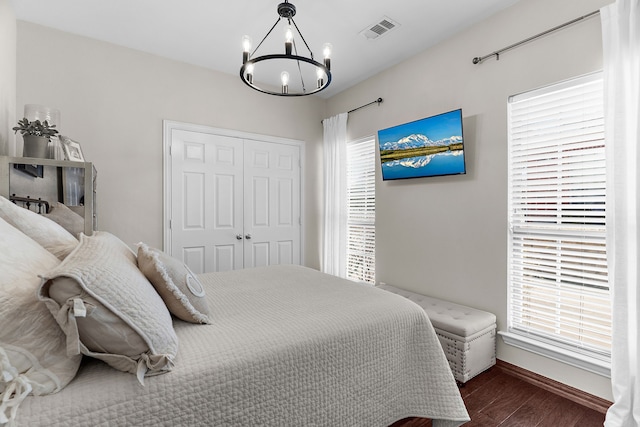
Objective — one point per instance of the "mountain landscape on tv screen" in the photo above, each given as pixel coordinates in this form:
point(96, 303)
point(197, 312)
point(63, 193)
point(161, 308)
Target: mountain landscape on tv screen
point(428, 147)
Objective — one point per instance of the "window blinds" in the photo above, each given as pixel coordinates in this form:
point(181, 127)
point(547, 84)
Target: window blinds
point(558, 284)
point(361, 215)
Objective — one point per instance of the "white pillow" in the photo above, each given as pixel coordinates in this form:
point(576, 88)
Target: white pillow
point(108, 309)
point(47, 233)
point(33, 356)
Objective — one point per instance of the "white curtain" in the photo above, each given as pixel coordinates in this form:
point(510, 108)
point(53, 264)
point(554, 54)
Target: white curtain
point(334, 244)
point(621, 49)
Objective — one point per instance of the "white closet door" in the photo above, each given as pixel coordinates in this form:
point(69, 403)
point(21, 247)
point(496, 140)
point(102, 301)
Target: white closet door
point(206, 194)
point(271, 204)
point(234, 203)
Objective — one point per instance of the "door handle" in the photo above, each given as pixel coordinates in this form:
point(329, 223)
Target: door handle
point(239, 236)
point(248, 237)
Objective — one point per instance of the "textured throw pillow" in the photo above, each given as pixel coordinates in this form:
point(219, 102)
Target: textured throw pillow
point(33, 356)
point(108, 309)
point(66, 218)
point(180, 289)
point(47, 233)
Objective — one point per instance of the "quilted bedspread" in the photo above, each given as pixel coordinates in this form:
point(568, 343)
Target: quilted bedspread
point(287, 346)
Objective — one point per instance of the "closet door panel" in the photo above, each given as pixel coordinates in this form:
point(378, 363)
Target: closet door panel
point(193, 193)
point(272, 203)
point(206, 208)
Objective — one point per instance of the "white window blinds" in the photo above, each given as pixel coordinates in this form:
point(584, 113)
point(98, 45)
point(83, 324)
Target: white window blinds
point(558, 284)
point(361, 215)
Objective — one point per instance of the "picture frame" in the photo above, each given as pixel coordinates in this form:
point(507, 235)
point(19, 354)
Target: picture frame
point(72, 149)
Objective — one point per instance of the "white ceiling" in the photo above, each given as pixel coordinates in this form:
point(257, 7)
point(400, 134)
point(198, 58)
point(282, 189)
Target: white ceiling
point(208, 32)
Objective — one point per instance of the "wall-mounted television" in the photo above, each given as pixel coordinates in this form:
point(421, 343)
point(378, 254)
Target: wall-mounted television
point(432, 146)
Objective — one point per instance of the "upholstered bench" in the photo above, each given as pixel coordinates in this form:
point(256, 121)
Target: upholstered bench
point(467, 335)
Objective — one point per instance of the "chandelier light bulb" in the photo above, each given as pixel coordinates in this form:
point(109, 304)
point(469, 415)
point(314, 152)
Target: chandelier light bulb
point(246, 48)
point(288, 40)
point(320, 74)
point(284, 78)
point(250, 73)
point(246, 43)
point(326, 52)
point(288, 34)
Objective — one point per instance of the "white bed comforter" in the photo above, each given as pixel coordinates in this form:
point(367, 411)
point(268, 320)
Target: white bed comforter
point(288, 346)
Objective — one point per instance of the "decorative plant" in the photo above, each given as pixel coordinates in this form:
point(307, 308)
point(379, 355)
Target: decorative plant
point(36, 128)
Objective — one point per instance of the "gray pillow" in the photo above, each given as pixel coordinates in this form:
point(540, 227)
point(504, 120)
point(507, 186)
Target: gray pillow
point(108, 309)
point(66, 218)
point(179, 288)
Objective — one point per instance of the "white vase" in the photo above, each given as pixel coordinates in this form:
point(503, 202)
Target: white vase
point(55, 150)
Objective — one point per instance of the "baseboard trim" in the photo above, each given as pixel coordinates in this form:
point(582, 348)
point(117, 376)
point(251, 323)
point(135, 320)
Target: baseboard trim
point(575, 395)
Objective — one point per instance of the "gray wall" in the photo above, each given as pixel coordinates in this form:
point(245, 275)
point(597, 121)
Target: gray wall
point(7, 77)
point(113, 100)
point(447, 236)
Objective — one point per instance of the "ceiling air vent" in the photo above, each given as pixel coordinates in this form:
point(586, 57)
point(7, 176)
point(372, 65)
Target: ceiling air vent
point(380, 28)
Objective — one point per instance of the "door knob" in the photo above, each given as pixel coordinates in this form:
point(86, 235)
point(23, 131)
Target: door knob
point(248, 237)
point(239, 236)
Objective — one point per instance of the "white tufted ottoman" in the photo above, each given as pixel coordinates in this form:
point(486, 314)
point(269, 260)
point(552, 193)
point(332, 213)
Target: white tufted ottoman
point(467, 335)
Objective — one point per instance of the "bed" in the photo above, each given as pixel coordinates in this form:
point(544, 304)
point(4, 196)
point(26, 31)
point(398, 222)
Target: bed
point(283, 346)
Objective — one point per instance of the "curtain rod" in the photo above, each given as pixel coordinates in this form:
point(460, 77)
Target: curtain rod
point(378, 101)
point(479, 59)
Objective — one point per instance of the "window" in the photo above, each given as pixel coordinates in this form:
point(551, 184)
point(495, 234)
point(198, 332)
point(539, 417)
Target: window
point(558, 285)
point(361, 210)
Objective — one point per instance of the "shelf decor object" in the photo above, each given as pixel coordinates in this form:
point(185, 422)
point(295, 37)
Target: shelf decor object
point(36, 136)
point(72, 149)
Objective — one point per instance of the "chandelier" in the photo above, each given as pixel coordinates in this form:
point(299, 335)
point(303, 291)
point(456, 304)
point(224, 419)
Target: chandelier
point(311, 76)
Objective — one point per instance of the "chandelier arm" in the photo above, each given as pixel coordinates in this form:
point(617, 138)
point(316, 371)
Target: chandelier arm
point(302, 37)
point(265, 37)
point(295, 48)
point(283, 56)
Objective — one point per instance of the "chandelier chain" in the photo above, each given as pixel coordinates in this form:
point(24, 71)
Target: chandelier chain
point(302, 37)
point(295, 48)
point(265, 37)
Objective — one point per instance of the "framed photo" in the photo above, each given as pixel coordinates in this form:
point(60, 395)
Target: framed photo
point(72, 150)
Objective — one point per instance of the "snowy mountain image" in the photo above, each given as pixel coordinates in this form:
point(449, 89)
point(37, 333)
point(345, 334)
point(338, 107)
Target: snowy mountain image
point(419, 141)
point(451, 140)
point(417, 145)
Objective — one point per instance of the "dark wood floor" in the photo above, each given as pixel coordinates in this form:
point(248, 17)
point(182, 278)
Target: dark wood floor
point(495, 398)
